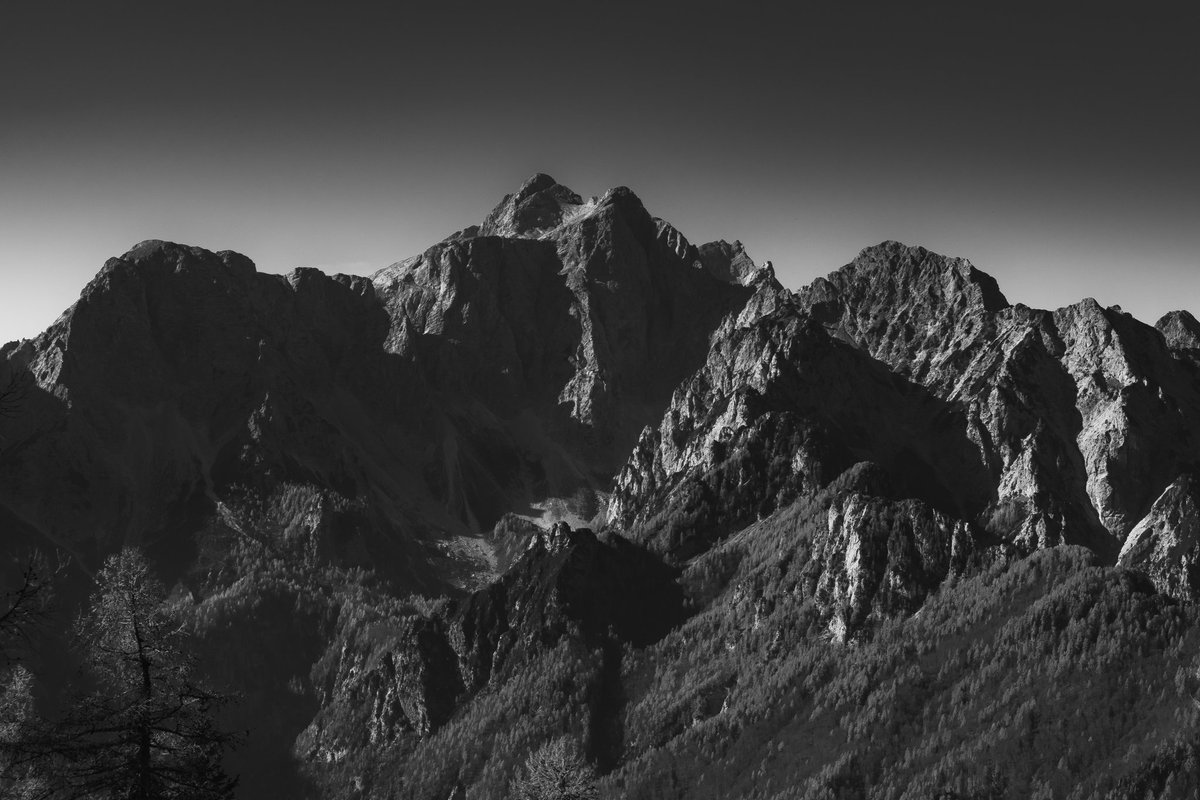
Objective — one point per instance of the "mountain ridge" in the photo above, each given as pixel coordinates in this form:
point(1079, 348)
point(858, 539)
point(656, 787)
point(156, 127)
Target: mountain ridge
point(648, 484)
point(491, 325)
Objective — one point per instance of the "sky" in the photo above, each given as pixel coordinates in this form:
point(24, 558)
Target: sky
point(1055, 148)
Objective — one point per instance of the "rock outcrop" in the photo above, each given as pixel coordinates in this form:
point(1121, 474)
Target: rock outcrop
point(1166, 543)
point(857, 552)
point(388, 678)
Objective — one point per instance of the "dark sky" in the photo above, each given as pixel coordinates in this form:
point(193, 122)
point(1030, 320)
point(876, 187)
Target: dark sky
point(1056, 150)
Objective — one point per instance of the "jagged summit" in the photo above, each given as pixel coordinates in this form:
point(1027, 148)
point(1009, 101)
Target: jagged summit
point(541, 204)
point(538, 182)
point(903, 304)
point(1060, 426)
point(896, 273)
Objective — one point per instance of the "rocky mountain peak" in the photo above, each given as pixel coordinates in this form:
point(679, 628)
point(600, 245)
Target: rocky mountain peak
point(729, 262)
point(164, 256)
point(902, 304)
point(892, 272)
point(540, 205)
point(1181, 330)
point(558, 537)
point(538, 182)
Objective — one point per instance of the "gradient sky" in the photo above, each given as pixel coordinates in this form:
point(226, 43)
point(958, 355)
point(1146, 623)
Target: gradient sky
point(1056, 150)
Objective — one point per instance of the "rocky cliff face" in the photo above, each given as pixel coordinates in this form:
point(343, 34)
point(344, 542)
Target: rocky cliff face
point(856, 553)
point(1165, 544)
point(878, 557)
point(1038, 427)
point(570, 322)
point(1092, 386)
point(779, 410)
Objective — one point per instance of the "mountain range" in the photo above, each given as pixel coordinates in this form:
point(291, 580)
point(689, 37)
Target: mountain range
point(565, 472)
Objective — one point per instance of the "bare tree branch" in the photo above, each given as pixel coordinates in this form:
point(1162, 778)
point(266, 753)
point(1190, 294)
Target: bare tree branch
point(25, 609)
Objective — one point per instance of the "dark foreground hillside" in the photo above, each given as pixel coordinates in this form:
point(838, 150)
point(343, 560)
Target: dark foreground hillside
point(568, 492)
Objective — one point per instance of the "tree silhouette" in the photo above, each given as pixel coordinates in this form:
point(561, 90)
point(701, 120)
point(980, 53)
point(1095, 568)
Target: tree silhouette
point(143, 730)
point(24, 608)
point(555, 771)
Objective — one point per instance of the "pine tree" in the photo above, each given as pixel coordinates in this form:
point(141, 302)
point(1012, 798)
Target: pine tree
point(144, 729)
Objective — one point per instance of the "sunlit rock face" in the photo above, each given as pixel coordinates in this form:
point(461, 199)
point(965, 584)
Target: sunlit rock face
point(1166, 543)
point(1037, 427)
point(882, 558)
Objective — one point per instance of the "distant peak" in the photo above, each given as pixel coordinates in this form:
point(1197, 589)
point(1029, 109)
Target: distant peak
point(891, 249)
point(624, 200)
point(541, 203)
point(534, 184)
point(155, 248)
point(914, 270)
point(158, 254)
point(1181, 318)
point(1180, 329)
